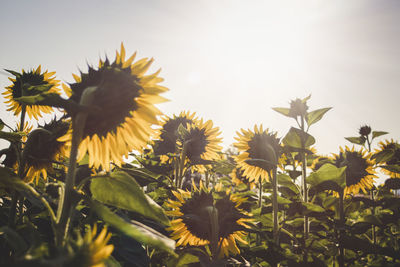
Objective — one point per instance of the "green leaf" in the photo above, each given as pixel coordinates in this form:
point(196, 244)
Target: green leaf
point(378, 133)
point(12, 137)
point(283, 111)
point(16, 242)
point(372, 219)
point(294, 138)
point(134, 229)
point(356, 140)
point(328, 172)
point(122, 191)
point(391, 168)
point(383, 156)
point(316, 115)
point(1, 124)
point(304, 100)
point(312, 207)
point(285, 180)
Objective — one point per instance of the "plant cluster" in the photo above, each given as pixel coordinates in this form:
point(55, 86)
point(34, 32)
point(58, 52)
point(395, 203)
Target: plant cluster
point(111, 181)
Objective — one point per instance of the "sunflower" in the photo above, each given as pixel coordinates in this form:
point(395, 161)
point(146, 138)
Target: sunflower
point(43, 148)
point(125, 99)
point(201, 142)
point(359, 169)
point(30, 83)
point(92, 250)
point(167, 135)
point(239, 178)
point(319, 161)
point(262, 147)
point(192, 224)
point(392, 148)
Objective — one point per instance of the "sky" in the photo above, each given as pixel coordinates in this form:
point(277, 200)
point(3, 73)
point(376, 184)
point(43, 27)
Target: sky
point(229, 61)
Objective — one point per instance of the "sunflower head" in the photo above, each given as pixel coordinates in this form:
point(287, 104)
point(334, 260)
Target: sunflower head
point(364, 130)
point(259, 152)
point(359, 169)
point(200, 142)
point(92, 250)
point(43, 147)
point(193, 223)
point(168, 134)
point(391, 148)
point(30, 83)
point(319, 161)
point(124, 98)
point(238, 178)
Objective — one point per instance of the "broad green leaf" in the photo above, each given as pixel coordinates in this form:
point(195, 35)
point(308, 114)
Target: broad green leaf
point(12, 136)
point(378, 133)
point(391, 168)
point(383, 156)
point(9, 179)
point(328, 172)
point(16, 242)
point(316, 115)
point(285, 180)
point(282, 200)
point(372, 219)
point(312, 207)
point(283, 111)
point(356, 140)
point(134, 229)
point(122, 191)
point(293, 138)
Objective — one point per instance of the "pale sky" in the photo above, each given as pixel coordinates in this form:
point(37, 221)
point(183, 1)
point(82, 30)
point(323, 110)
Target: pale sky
point(229, 61)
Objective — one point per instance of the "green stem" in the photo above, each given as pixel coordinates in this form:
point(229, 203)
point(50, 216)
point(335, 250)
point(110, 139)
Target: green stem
point(303, 176)
point(341, 225)
point(275, 209)
point(21, 167)
point(260, 194)
point(67, 203)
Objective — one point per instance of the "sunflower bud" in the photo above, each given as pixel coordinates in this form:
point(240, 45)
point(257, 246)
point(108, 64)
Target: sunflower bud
point(298, 107)
point(365, 130)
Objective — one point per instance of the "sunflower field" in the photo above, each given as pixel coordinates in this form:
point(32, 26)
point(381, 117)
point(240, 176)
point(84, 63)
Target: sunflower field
point(112, 181)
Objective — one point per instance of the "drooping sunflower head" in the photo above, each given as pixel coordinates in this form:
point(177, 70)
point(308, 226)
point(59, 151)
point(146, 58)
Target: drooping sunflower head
point(92, 250)
point(43, 148)
point(391, 148)
point(259, 152)
point(124, 98)
point(168, 134)
point(192, 223)
point(30, 83)
point(359, 169)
